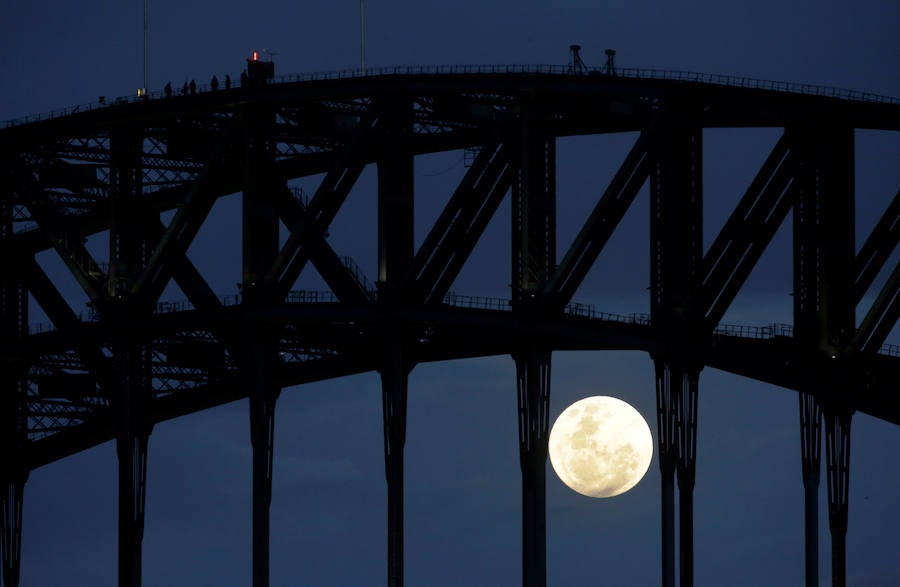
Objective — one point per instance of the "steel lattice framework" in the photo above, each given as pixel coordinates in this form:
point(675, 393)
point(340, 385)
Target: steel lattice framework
point(133, 360)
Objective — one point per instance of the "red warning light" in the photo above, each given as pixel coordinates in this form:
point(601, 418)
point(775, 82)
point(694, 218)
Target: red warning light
point(260, 67)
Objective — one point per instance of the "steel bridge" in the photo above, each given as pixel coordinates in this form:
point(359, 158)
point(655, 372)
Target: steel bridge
point(147, 172)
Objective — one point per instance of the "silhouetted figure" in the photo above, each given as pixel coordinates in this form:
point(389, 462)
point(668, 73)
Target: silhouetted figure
point(193, 87)
point(243, 78)
point(184, 89)
point(214, 83)
point(168, 89)
point(102, 100)
point(227, 82)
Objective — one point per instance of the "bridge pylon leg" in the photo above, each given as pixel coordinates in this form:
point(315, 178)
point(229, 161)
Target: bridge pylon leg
point(837, 449)
point(686, 427)
point(262, 438)
point(132, 454)
point(533, 393)
point(261, 362)
point(810, 446)
point(132, 438)
point(11, 531)
point(394, 385)
point(667, 381)
point(676, 412)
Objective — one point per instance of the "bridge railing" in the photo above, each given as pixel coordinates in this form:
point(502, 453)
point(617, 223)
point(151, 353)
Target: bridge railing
point(761, 332)
point(572, 310)
point(495, 69)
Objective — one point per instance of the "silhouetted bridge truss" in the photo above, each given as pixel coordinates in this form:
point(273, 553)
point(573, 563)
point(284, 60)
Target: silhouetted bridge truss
point(133, 360)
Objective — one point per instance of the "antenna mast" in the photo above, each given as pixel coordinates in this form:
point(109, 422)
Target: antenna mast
point(362, 33)
point(146, 46)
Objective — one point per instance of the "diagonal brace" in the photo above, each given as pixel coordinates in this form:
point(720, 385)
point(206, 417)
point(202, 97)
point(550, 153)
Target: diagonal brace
point(300, 248)
point(198, 201)
point(881, 317)
point(308, 226)
point(878, 248)
point(598, 228)
point(70, 247)
point(747, 232)
point(457, 230)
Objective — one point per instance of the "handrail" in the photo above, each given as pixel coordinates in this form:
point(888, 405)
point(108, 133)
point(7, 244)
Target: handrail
point(572, 310)
point(495, 69)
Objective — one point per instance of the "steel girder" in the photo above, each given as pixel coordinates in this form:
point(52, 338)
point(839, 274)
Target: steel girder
point(462, 222)
point(747, 232)
point(62, 179)
point(676, 315)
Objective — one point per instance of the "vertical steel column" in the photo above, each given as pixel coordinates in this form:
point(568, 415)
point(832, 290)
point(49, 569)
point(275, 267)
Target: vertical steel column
point(263, 395)
point(676, 234)
point(810, 449)
point(686, 427)
point(838, 303)
point(11, 512)
point(824, 315)
point(533, 394)
point(13, 393)
point(131, 449)
point(533, 211)
point(837, 450)
point(533, 261)
point(666, 400)
point(394, 379)
point(396, 197)
point(807, 334)
point(127, 255)
point(260, 359)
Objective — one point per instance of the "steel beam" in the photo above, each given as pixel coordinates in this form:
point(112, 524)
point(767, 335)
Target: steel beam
point(395, 199)
point(601, 223)
point(825, 276)
point(533, 393)
point(837, 450)
point(185, 274)
point(533, 262)
point(11, 530)
point(686, 428)
point(131, 366)
point(307, 242)
point(394, 370)
point(259, 360)
point(881, 317)
point(395, 255)
point(194, 208)
point(533, 209)
point(747, 233)
point(308, 225)
point(810, 452)
point(462, 222)
point(13, 393)
point(263, 396)
point(668, 385)
point(131, 403)
point(878, 248)
point(131, 449)
point(676, 414)
point(676, 312)
point(58, 231)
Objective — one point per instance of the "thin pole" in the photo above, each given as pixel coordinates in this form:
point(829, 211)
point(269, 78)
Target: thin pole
point(362, 33)
point(146, 45)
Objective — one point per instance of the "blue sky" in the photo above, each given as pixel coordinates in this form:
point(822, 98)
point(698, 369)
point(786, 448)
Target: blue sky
point(462, 484)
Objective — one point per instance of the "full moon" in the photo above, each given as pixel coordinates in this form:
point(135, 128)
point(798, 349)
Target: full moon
point(600, 446)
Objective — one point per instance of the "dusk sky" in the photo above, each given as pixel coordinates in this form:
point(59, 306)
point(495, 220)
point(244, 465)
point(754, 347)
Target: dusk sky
point(462, 471)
